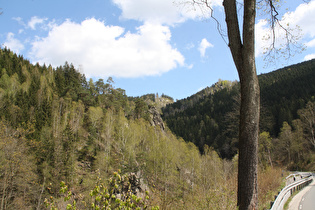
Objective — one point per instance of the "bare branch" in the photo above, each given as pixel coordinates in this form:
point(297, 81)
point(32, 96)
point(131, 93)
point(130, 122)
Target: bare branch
point(219, 28)
point(284, 46)
point(277, 50)
point(205, 7)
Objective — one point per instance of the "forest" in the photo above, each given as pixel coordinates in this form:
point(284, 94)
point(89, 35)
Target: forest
point(71, 143)
point(210, 117)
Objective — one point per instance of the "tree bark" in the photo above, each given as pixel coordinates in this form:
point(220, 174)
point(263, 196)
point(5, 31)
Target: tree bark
point(243, 53)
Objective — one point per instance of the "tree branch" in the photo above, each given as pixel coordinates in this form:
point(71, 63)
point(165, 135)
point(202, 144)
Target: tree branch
point(235, 42)
point(219, 28)
point(290, 46)
point(205, 7)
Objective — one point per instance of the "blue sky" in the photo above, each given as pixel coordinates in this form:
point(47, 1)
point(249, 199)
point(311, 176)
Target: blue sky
point(147, 46)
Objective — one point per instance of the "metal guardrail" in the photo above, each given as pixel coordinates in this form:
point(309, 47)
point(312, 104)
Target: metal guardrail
point(287, 191)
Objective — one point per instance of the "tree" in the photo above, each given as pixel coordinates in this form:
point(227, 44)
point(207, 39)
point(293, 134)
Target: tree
point(307, 116)
point(141, 108)
point(244, 59)
point(285, 143)
point(265, 147)
point(242, 47)
point(298, 144)
point(17, 169)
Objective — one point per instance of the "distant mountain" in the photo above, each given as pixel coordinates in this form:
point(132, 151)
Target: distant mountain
point(211, 115)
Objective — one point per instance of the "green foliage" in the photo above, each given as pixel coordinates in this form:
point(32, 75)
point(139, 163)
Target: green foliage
point(166, 96)
point(307, 116)
point(294, 147)
point(141, 109)
point(265, 149)
point(18, 178)
point(211, 115)
point(201, 118)
point(116, 194)
point(56, 126)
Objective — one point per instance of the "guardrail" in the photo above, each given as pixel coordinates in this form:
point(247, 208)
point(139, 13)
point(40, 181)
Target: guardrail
point(287, 191)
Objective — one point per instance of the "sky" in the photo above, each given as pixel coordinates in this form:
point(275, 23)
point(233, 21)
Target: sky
point(146, 46)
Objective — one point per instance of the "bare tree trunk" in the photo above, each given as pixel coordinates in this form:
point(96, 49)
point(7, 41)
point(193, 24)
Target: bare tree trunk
point(243, 52)
point(248, 146)
point(269, 157)
point(40, 195)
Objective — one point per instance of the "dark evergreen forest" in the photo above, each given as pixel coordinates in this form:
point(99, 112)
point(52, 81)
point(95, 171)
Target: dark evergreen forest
point(211, 116)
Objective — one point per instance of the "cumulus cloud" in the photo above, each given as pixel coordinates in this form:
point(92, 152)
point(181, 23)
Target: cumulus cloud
point(262, 34)
point(204, 44)
point(309, 57)
point(104, 50)
point(311, 43)
point(162, 11)
point(302, 18)
point(13, 43)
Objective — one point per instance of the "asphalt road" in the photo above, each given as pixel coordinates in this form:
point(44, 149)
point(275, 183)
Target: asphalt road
point(308, 200)
point(304, 200)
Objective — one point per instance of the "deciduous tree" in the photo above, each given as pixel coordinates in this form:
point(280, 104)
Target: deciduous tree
point(265, 147)
point(242, 47)
point(307, 116)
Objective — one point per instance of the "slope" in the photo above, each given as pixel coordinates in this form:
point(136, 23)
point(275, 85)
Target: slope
point(211, 115)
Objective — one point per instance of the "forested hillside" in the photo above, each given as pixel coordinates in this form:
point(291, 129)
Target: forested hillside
point(202, 118)
point(211, 116)
point(63, 139)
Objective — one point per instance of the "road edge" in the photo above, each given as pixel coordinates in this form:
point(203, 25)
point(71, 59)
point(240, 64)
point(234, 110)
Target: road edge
point(295, 202)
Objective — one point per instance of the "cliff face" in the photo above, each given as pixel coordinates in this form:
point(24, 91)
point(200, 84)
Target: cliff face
point(155, 118)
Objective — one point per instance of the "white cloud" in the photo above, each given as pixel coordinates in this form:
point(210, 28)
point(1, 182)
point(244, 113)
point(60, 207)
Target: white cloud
point(311, 43)
point(105, 51)
point(162, 11)
point(35, 21)
point(19, 20)
point(262, 35)
point(13, 43)
point(203, 46)
point(309, 57)
point(303, 18)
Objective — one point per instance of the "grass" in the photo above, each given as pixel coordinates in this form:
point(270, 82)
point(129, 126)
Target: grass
point(286, 205)
point(270, 182)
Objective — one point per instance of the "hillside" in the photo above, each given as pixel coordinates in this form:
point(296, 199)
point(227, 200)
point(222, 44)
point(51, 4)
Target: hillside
point(211, 115)
point(58, 127)
point(63, 139)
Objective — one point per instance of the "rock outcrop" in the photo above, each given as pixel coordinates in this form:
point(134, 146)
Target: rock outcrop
point(155, 118)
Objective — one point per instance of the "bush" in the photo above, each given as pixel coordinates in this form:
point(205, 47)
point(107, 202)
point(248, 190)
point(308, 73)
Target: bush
point(117, 194)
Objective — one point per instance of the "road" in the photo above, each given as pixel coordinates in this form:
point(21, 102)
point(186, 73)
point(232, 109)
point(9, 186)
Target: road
point(304, 200)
